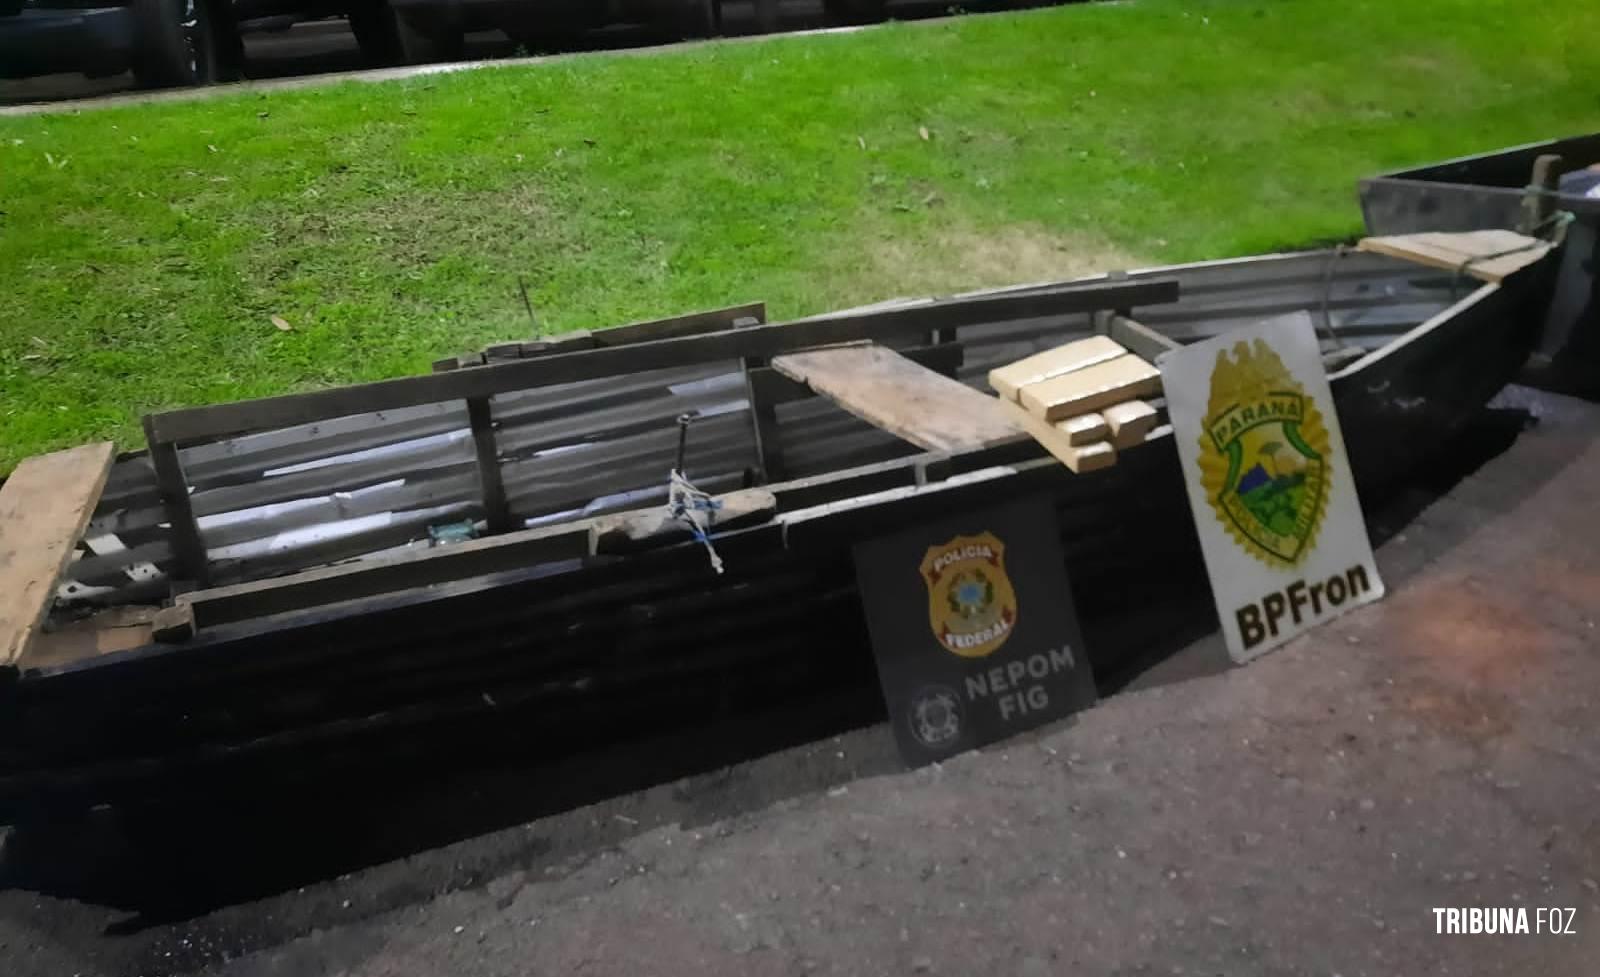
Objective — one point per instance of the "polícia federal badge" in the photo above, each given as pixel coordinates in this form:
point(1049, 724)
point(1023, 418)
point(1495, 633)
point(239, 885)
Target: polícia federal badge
point(971, 604)
point(1264, 455)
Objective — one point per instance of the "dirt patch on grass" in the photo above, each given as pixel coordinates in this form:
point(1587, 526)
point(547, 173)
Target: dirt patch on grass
point(410, 232)
point(958, 258)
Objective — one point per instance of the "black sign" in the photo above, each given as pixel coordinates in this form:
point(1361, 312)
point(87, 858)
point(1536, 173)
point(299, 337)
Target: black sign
point(973, 628)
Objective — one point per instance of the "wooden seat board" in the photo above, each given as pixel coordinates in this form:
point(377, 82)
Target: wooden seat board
point(1510, 251)
point(904, 398)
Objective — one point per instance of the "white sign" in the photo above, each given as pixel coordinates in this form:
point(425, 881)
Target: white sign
point(1269, 482)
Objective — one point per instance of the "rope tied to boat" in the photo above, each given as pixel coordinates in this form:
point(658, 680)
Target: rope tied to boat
point(693, 508)
point(688, 504)
point(1339, 251)
point(1557, 222)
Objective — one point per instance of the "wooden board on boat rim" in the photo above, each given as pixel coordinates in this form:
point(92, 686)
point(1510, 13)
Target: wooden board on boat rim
point(906, 399)
point(44, 506)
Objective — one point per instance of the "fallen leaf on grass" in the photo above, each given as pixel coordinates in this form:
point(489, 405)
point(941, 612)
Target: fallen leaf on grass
point(281, 323)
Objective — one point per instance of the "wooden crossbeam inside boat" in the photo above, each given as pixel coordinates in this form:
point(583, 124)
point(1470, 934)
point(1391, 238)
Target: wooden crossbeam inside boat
point(1139, 338)
point(44, 507)
point(1489, 256)
point(630, 532)
point(906, 399)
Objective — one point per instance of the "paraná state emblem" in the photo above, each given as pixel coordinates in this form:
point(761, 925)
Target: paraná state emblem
point(1264, 455)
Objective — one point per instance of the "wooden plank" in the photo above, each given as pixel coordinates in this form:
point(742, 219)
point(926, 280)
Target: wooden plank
point(413, 568)
point(800, 523)
point(44, 507)
point(631, 532)
point(775, 388)
point(1490, 255)
point(1139, 338)
point(688, 324)
point(194, 424)
point(117, 629)
point(567, 342)
point(187, 545)
point(1539, 200)
point(1081, 458)
point(1008, 380)
point(764, 428)
point(1092, 388)
point(904, 398)
point(1129, 422)
point(496, 515)
point(462, 362)
point(173, 624)
point(424, 566)
point(801, 493)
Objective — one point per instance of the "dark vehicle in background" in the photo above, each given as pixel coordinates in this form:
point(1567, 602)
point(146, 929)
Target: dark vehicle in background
point(196, 42)
point(163, 42)
point(414, 31)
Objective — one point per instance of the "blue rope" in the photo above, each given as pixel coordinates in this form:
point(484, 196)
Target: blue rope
point(683, 500)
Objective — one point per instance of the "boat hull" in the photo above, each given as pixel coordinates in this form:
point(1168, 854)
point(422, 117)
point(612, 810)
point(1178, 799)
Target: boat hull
point(564, 655)
point(1488, 191)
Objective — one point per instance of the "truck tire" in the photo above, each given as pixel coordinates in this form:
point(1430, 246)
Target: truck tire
point(177, 45)
point(386, 38)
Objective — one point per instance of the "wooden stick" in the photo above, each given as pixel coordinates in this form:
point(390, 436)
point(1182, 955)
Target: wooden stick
point(497, 516)
point(187, 545)
point(44, 506)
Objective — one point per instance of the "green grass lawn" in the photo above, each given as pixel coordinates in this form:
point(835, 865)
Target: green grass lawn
point(145, 249)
